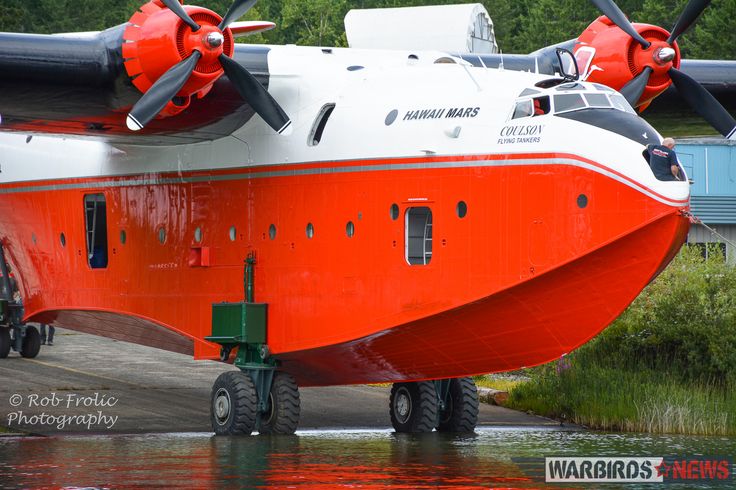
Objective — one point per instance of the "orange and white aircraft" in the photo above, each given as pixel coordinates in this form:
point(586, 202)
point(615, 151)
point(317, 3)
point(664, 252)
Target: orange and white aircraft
point(412, 218)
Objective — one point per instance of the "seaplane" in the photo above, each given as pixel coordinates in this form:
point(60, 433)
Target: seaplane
point(327, 216)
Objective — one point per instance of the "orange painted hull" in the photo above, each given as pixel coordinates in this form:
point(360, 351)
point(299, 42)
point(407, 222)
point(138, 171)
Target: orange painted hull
point(526, 276)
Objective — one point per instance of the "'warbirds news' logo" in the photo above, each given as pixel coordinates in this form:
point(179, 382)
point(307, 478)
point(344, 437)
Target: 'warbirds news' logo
point(638, 470)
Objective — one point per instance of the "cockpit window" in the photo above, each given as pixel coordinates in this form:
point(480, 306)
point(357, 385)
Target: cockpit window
point(578, 96)
point(523, 109)
point(568, 102)
point(602, 88)
point(541, 105)
point(620, 103)
point(528, 91)
point(597, 100)
point(571, 86)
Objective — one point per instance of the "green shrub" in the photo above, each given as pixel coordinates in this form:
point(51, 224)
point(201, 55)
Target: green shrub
point(684, 322)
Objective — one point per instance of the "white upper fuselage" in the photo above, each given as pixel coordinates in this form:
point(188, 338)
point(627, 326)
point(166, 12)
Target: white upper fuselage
point(440, 109)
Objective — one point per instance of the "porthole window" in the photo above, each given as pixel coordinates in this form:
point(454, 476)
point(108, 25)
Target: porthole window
point(462, 209)
point(418, 239)
point(394, 211)
point(350, 229)
point(198, 235)
point(272, 232)
point(62, 239)
point(123, 237)
point(582, 201)
point(233, 233)
point(310, 230)
point(162, 235)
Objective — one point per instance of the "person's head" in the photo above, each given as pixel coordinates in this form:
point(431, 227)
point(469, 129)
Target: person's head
point(668, 142)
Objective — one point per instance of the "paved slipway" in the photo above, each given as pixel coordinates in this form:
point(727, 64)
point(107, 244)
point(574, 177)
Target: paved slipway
point(140, 389)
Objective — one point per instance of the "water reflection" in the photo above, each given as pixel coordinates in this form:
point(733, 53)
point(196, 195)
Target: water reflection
point(377, 459)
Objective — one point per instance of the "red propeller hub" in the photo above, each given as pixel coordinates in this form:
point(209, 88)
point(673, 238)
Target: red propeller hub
point(618, 58)
point(156, 39)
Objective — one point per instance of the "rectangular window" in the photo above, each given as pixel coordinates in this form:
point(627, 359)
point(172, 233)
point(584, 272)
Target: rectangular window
point(95, 224)
point(418, 235)
point(710, 249)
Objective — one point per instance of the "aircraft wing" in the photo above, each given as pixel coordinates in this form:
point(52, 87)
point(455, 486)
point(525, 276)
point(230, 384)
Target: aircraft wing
point(145, 82)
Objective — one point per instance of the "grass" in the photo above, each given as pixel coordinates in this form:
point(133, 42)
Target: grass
point(498, 383)
point(628, 400)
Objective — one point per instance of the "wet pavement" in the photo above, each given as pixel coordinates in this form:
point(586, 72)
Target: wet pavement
point(93, 385)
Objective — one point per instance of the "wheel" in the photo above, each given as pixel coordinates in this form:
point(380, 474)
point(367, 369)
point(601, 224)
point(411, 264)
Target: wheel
point(4, 342)
point(284, 406)
point(461, 408)
point(413, 406)
point(31, 343)
point(233, 404)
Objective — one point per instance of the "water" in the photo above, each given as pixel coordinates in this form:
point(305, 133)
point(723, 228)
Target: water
point(323, 459)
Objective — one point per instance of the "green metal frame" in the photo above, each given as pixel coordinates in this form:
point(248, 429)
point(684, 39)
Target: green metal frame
point(244, 325)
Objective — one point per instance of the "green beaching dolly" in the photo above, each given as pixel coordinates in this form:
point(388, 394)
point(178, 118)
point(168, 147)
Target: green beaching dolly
point(258, 396)
point(14, 334)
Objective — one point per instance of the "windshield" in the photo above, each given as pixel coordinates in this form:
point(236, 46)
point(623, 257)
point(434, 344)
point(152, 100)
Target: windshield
point(569, 97)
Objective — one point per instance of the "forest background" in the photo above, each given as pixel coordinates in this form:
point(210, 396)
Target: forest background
point(521, 26)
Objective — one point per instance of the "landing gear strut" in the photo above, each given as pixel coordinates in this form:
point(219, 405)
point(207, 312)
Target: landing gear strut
point(259, 397)
point(449, 405)
point(14, 334)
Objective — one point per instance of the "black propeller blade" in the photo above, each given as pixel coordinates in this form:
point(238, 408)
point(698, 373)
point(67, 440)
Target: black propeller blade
point(633, 90)
point(704, 103)
point(237, 10)
point(611, 10)
point(176, 7)
point(692, 11)
point(257, 96)
point(165, 88)
point(171, 82)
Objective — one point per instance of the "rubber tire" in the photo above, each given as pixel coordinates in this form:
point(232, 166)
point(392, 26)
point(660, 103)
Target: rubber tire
point(239, 418)
point(31, 345)
point(421, 414)
point(461, 414)
point(285, 406)
point(4, 342)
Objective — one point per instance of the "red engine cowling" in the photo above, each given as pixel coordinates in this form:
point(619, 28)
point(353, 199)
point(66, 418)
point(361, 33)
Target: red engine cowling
point(617, 58)
point(156, 39)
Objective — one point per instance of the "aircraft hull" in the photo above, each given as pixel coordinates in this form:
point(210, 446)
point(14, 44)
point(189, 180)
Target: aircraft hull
point(532, 271)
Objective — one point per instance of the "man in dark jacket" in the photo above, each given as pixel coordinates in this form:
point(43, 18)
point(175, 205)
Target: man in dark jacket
point(663, 161)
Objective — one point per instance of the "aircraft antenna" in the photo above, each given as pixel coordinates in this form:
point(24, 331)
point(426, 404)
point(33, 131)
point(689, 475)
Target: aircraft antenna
point(500, 67)
point(480, 89)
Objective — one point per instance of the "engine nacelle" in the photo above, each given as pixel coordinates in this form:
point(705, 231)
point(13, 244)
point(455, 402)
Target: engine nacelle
point(607, 55)
point(156, 39)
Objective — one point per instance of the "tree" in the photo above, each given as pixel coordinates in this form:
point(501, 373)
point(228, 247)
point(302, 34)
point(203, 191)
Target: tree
point(315, 23)
point(714, 36)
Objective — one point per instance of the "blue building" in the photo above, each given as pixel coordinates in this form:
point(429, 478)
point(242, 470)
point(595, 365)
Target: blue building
point(711, 165)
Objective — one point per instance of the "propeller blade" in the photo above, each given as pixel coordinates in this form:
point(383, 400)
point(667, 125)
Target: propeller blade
point(704, 103)
point(161, 92)
point(237, 10)
point(632, 91)
point(257, 96)
point(611, 10)
point(689, 15)
point(176, 7)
